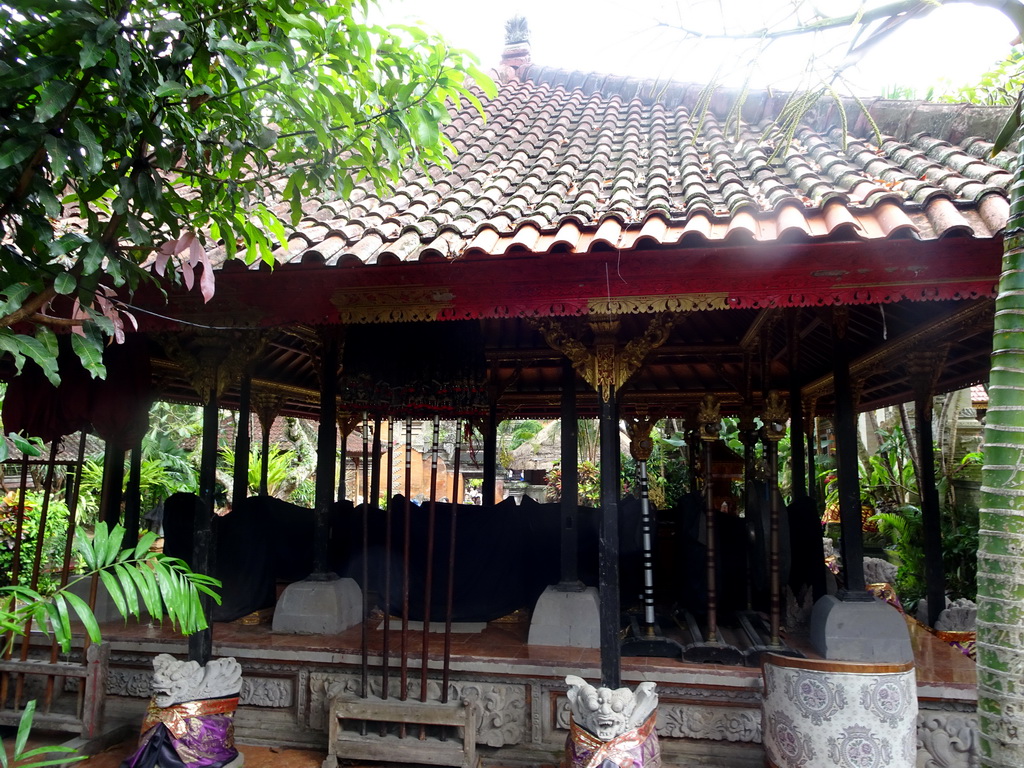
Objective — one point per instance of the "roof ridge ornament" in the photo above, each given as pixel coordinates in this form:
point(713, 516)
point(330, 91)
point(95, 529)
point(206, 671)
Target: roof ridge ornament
point(515, 56)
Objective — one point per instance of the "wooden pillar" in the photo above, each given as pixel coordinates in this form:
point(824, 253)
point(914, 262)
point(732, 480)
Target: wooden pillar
point(243, 441)
point(774, 429)
point(200, 645)
point(133, 497)
point(326, 448)
point(608, 547)
point(606, 367)
point(570, 578)
point(267, 406)
point(488, 488)
point(796, 411)
point(922, 368)
point(111, 493)
point(810, 435)
point(852, 542)
point(375, 451)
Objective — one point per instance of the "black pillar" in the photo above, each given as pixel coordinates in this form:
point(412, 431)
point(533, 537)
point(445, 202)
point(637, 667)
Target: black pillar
point(133, 497)
point(374, 499)
point(265, 456)
point(796, 416)
point(200, 645)
point(111, 494)
point(490, 455)
point(930, 515)
point(326, 446)
point(570, 481)
point(852, 540)
point(243, 441)
point(608, 548)
point(812, 450)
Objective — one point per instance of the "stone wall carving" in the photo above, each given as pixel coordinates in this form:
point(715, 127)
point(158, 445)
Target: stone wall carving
point(501, 709)
point(256, 691)
point(947, 739)
point(693, 721)
point(689, 721)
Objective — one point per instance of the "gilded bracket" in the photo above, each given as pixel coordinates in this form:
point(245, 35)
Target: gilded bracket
point(775, 416)
point(709, 420)
point(213, 360)
point(606, 367)
point(639, 429)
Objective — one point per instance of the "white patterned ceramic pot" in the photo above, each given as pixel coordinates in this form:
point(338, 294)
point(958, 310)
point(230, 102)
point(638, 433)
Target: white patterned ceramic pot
point(845, 714)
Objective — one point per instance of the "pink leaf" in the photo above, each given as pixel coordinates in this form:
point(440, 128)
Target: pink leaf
point(206, 280)
point(78, 314)
point(130, 316)
point(195, 251)
point(185, 241)
point(187, 275)
point(162, 257)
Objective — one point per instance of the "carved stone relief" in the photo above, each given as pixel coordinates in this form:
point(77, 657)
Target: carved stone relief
point(947, 739)
point(693, 721)
point(271, 692)
point(500, 709)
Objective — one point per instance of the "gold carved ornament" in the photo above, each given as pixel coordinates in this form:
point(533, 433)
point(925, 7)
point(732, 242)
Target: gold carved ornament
point(639, 429)
point(607, 367)
point(775, 417)
point(709, 420)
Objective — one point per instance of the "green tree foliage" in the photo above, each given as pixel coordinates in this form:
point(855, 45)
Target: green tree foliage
point(136, 135)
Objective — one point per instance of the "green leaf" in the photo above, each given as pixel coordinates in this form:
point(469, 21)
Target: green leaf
point(64, 284)
point(99, 546)
point(93, 150)
point(62, 626)
point(127, 584)
point(85, 614)
point(58, 154)
point(170, 88)
point(114, 590)
point(15, 151)
point(90, 351)
point(113, 543)
point(1013, 122)
point(23, 445)
point(24, 727)
point(54, 97)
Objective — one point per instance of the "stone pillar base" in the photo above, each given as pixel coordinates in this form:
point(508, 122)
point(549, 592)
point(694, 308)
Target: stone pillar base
point(319, 607)
point(871, 631)
point(568, 619)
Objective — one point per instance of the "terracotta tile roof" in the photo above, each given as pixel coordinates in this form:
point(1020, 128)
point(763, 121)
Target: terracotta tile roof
point(571, 162)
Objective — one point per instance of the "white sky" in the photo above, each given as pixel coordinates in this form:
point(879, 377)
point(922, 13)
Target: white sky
point(955, 43)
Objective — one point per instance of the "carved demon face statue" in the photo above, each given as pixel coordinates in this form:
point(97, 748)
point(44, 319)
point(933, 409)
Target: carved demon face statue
point(175, 681)
point(608, 713)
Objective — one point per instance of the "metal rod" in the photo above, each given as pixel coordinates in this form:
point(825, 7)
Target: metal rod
point(407, 516)
point(709, 506)
point(772, 448)
point(449, 608)
point(386, 657)
point(648, 544)
point(428, 581)
point(364, 675)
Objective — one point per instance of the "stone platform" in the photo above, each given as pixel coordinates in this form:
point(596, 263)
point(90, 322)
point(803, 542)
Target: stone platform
point(709, 714)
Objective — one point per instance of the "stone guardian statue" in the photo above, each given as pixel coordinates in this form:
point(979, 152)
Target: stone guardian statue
point(611, 728)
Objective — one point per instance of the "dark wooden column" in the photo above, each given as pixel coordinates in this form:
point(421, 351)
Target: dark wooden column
point(200, 645)
point(326, 448)
point(922, 368)
point(810, 435)
point(133, 497)
point(243, 443)
point(267, 406)
point(487, 489)
point(608, 547)
point(570, 579)
point(852, 543)
point(774, 429)
point(606, 367)
point(796, 411)
point(111, 492)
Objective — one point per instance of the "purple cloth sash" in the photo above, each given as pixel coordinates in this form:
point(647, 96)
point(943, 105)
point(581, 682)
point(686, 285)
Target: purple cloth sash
point(193, 734)
point(637, 748)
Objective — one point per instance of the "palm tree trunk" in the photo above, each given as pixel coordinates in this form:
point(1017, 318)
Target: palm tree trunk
point(1001, 534)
